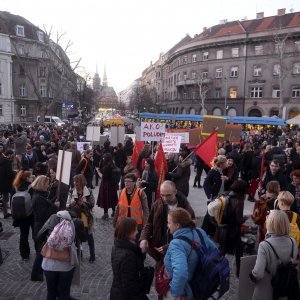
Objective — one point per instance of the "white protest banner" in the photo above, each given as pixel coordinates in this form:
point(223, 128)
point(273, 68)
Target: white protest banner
point(80, 146)
point(117, 135)
point(66, 166)
point(152, 131)
point(93, 133)
point(171, 143)
point(185, 136)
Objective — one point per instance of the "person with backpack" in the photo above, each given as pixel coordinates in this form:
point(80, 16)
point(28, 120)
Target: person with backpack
point(228, 233)
point(108, 196)
point(183, 261)
point(60, 258)
point(285, 201)
point(22, 213)
point(81, 201)
point(275, 260)
point(42, 210)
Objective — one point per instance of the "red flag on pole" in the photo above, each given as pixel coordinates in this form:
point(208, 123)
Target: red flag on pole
point(161, 167)
point(207, 150)
point(137, 149)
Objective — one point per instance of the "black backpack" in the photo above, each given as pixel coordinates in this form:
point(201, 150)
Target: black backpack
point(285, 282)
point(212, 273)
point(21, 205)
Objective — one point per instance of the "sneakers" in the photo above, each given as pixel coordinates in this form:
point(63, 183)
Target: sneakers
point(105, 216)
point(92, 259)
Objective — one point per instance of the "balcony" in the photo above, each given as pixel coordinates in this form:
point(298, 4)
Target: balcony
point(192, 82)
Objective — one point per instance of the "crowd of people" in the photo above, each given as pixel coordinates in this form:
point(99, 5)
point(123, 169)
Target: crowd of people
point(263, 168)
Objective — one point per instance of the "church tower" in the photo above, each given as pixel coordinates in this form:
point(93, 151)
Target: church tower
point(104, 81)
point(96, 81)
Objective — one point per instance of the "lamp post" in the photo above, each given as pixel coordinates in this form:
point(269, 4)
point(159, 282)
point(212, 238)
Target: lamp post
point(225, 97)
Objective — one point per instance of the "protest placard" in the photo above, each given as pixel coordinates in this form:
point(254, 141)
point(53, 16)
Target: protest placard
point(65, 164)
point(92, 133)
point(117, 135)
point(212, 123)
point(171, 143)
point(152, 131)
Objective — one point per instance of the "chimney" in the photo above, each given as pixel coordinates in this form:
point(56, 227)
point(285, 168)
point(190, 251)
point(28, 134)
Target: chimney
point(204, 28)
point(281, 12)
point(259, 15)
point(223, 21)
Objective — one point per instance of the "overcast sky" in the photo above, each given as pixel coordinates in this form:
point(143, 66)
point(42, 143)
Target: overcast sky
point(127, 35)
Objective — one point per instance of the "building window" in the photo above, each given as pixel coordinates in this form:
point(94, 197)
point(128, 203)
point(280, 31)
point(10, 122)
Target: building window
point(42, 71)
point(296, 92)
point(20, 50)
point(219, 54)
point(257, 71)
point(193, 75)
point(234, 52)
point(204, 75)
point(275, 92)
point(22, 90)
point(297, 46)
point(1, 110)
point(185, 60)
point(178, 61)
point(205, 56)
point(20, 30)
point(234, 71)
point(233, 92)
point(219, 72)
point(179, 77)
point(40, 35)
point(0, 88)
point(21, 70)
point(193, 95)
point(218, 93)
point(23, 110)
point(296, 68)
point(43, 91)
point(256, 92)
point(185, 77)
point(194, 57)
point(276, 70)
point(259, 50)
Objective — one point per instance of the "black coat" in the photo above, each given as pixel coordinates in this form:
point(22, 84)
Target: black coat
point(127, 261)
point(279, 176)
point(7, 175)
point(212, 184)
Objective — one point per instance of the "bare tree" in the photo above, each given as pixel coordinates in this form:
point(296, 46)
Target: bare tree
point(203, 85)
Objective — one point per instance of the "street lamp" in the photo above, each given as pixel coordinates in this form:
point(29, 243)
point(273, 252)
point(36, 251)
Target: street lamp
point(225, 97)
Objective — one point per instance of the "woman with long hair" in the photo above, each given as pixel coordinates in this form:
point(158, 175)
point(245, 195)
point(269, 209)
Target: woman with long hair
point(22, 183)
point(42, 210)
point(81, 201)
point(107, 197)
point(127, 263)
point(180, 261)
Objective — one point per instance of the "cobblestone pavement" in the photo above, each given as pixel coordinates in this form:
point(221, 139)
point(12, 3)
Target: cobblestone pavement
point(96, 278)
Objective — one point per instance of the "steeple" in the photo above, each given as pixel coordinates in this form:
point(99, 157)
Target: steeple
point(96, 81)
point(104, 80)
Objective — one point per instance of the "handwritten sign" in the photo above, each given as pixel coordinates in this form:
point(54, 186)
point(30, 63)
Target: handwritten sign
point(152, 131)
point(185, 136)
point(171, 143)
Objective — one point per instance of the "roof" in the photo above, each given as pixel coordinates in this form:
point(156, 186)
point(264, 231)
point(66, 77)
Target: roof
point(250, 26)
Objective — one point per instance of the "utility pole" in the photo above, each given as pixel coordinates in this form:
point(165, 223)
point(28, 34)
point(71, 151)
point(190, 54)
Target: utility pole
point(225, 97)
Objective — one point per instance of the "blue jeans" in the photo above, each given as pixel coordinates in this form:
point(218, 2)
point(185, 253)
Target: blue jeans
point(59, 284)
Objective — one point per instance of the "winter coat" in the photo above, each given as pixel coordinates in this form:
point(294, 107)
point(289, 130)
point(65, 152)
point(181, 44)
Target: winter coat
point(155, 231)
point(266, 263)
point(180, 261)
point(212, 184)
point(229, 237)
point(88, 172)
point(181, 176)
point(7, 175)
point(29, 163)
point(120, 159)
point(20, 143)
point(232, 173)
point(42, 209)
point(127, 261)
point(279, 176)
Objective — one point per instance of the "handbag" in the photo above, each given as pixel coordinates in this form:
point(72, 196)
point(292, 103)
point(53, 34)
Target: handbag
point(55, 254)
point(146, 278)
point(162, 281)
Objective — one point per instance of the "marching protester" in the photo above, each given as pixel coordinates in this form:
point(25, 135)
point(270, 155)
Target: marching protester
point(85, 167)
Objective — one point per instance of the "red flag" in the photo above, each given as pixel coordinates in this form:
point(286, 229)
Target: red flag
point(207, 150)
point(137, 149)
point(161, 167)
